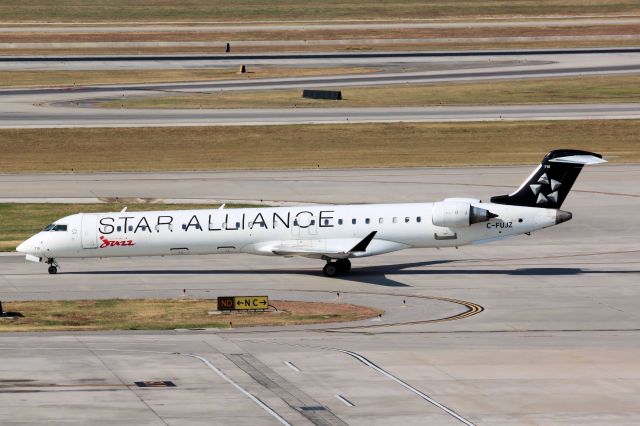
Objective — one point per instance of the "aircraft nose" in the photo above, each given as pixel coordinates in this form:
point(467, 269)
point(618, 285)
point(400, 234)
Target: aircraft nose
point(22, 248)
point(26, 246)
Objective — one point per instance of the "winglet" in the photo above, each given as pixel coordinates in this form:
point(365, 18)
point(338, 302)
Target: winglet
point(362, 245)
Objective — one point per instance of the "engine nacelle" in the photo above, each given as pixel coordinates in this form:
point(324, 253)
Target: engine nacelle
point(456, 214)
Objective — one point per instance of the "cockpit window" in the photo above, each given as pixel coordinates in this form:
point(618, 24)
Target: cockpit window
point(54, 227)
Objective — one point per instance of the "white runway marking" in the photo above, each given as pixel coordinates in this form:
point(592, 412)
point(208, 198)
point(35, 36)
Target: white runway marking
point(406, 386)
point(292, 366)
point(345, 401)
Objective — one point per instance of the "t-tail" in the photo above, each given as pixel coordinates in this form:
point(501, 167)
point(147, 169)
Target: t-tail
point(550, 183)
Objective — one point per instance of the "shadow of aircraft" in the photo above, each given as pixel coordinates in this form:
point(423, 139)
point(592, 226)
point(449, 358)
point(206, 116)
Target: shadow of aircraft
point(376, 275)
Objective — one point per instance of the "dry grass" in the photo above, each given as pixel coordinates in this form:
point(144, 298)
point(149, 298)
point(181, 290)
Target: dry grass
point(167, 314)
point(19, 221)
point(70, 78)
point(248, 10)
point(310, 146)
point(558, 90)
point(309, 33)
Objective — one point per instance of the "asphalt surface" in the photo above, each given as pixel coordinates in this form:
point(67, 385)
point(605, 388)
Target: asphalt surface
point(556, 340)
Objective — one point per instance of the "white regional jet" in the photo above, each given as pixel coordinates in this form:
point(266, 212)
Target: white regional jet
point(333, 233)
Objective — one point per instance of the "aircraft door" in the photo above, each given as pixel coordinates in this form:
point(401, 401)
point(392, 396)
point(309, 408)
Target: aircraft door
point(304, 224)
point(89, 231)
point(313, 227)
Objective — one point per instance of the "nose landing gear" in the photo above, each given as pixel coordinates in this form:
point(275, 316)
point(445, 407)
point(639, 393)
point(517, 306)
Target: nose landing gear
point(53, 266)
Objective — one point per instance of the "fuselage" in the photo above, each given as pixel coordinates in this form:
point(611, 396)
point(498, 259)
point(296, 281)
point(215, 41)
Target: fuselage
point(264, 230)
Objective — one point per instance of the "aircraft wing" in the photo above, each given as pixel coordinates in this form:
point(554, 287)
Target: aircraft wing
point(341, 248)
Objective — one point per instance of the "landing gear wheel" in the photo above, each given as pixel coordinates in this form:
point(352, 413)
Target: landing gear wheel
point(330, 269)
point(53, 266)
point(343, 265)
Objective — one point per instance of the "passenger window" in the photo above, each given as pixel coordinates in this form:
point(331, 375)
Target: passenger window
point(380, 220)
point(406, 220)
point(313, 222)
point(130, 228)
point(326, 222)
point(353, 221)
point(367, 221)
point(119, 228)
point(395, 220)
point(418, 219)
point(339, 221)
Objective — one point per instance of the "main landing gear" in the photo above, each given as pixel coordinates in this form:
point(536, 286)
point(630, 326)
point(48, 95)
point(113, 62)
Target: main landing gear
point(340, 266)
point(53, 266)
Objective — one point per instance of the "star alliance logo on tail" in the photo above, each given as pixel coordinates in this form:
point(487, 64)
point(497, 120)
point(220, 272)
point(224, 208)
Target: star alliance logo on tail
point(553, 186)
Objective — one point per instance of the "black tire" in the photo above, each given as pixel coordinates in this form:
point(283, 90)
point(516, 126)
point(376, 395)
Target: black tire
point(53, 269)
point(343, 265)
point(330, 269)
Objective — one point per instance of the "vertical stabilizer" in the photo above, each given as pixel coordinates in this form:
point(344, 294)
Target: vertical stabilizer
point(550, 183)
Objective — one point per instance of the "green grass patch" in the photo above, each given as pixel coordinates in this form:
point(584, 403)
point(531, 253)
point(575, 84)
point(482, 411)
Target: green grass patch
point(20, 221)
point(310, 146)
point(539, 91)
point(167, 314)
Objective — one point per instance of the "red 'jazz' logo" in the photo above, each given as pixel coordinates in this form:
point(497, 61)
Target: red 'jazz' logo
point(110, 243)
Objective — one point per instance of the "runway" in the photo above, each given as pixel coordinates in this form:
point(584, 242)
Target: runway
point(556, 342)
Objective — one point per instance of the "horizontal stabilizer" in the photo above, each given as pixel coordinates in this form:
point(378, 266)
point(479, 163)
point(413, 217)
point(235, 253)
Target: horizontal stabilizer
point(578, 159)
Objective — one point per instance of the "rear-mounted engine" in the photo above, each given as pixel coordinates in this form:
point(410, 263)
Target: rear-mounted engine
point(451, 214)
